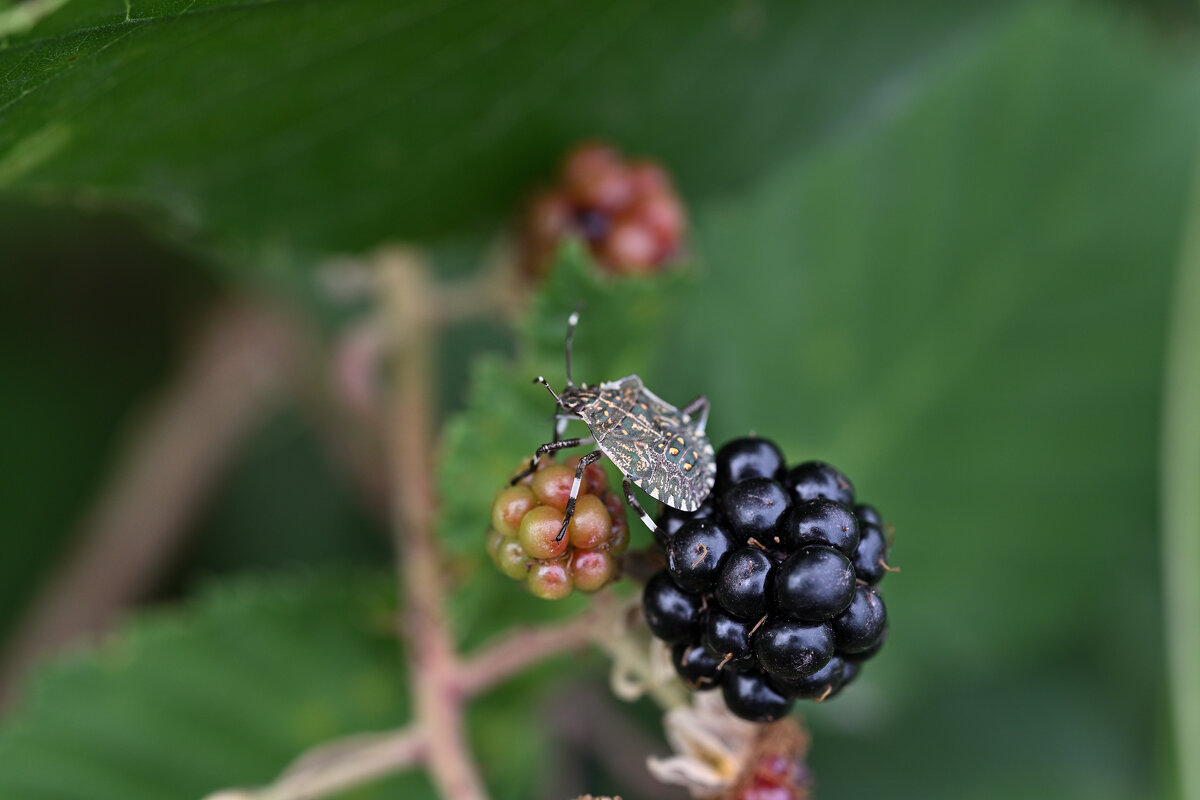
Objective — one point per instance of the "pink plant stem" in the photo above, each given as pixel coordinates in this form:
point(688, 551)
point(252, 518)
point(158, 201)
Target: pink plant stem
point(410, 421)
point(242, 361)
point(520, 649)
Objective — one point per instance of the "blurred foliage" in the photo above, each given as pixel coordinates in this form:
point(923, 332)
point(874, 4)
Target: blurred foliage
point(310, 127)
point(88, 325)
point(226, 693)
point(934, 244)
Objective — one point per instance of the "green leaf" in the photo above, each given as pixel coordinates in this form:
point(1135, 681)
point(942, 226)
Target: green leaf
point(961, 306)
point(228, 691)
point(224, 693)
point(278, 131)
point(76, 321)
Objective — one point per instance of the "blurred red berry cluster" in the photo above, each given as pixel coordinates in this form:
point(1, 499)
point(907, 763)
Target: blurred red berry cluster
point(526, 517)
point(626, 211)
point(776, 777)
point(776, 768)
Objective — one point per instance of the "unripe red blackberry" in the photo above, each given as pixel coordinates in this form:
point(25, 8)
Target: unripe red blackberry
point(775, 768)
point(592, 569)
point(591, 526)
point(549, 580)
point(626, 211)
point(630, 247)
point(509, 506)
point(527, 517)
point(538, 533)
point(552, 485)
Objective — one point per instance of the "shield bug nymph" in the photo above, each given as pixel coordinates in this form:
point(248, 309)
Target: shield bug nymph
point(659, 448)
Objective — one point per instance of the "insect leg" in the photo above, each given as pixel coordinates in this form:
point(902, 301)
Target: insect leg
point(583, 462)
point(627, 486)
point(698, 406)
point(560, 425)
point(548, 447)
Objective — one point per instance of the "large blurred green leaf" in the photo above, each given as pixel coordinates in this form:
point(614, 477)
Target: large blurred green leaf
point(230, 690)
point(88, 326)
point(963, 307)
point(304, 126)
point(225, 693)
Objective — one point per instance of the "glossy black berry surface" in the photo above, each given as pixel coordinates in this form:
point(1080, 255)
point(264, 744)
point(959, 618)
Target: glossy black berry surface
point(754, 509)
point(870, 652)
point(850, 671)
point(815, 479)
point(748, 457)
point(859, 627)
point(870, 555)
point(821, 522)
point(751, 696)
point(743, 587)
point(822, 684)
point(728, 639)
point(771, 587)
point(815, 584)
point(696, 666)
point(790, 649)
point(697, 552)
point(867, 515)
point(671, 519)
point(672, 613)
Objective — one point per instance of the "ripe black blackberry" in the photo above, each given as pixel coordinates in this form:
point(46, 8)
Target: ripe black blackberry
point(771, 586)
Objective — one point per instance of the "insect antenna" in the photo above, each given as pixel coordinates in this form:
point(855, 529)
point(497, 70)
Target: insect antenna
point(543, 382)
point(572, 321)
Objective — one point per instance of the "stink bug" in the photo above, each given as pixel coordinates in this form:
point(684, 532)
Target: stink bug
point(660, 448)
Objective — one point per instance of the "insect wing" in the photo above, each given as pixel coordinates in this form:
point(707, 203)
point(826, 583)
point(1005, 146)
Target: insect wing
point(660, 452)
point(609, 405)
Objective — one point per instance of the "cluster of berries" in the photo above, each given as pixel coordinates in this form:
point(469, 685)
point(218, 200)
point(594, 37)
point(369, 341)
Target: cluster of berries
point(626, 211)
point(527, 516)
point(776, 776)
point(770, 586)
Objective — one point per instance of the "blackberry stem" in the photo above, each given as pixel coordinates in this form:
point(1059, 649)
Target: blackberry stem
point(406, 292)
point(517, 650)
point(442, 681)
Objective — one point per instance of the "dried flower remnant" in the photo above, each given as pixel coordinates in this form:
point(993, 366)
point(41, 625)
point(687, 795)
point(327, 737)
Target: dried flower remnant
point(721, 757)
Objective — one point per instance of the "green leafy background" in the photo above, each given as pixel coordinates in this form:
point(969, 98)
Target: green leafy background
point(933, 243)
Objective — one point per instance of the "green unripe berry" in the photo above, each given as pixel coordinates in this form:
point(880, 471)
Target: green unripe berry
point(509, 506)
point(512, 559)
point(552, 485)
point(538, 533)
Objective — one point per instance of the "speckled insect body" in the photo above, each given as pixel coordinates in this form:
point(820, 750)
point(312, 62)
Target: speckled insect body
point(662, 450)
point(659, 448)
